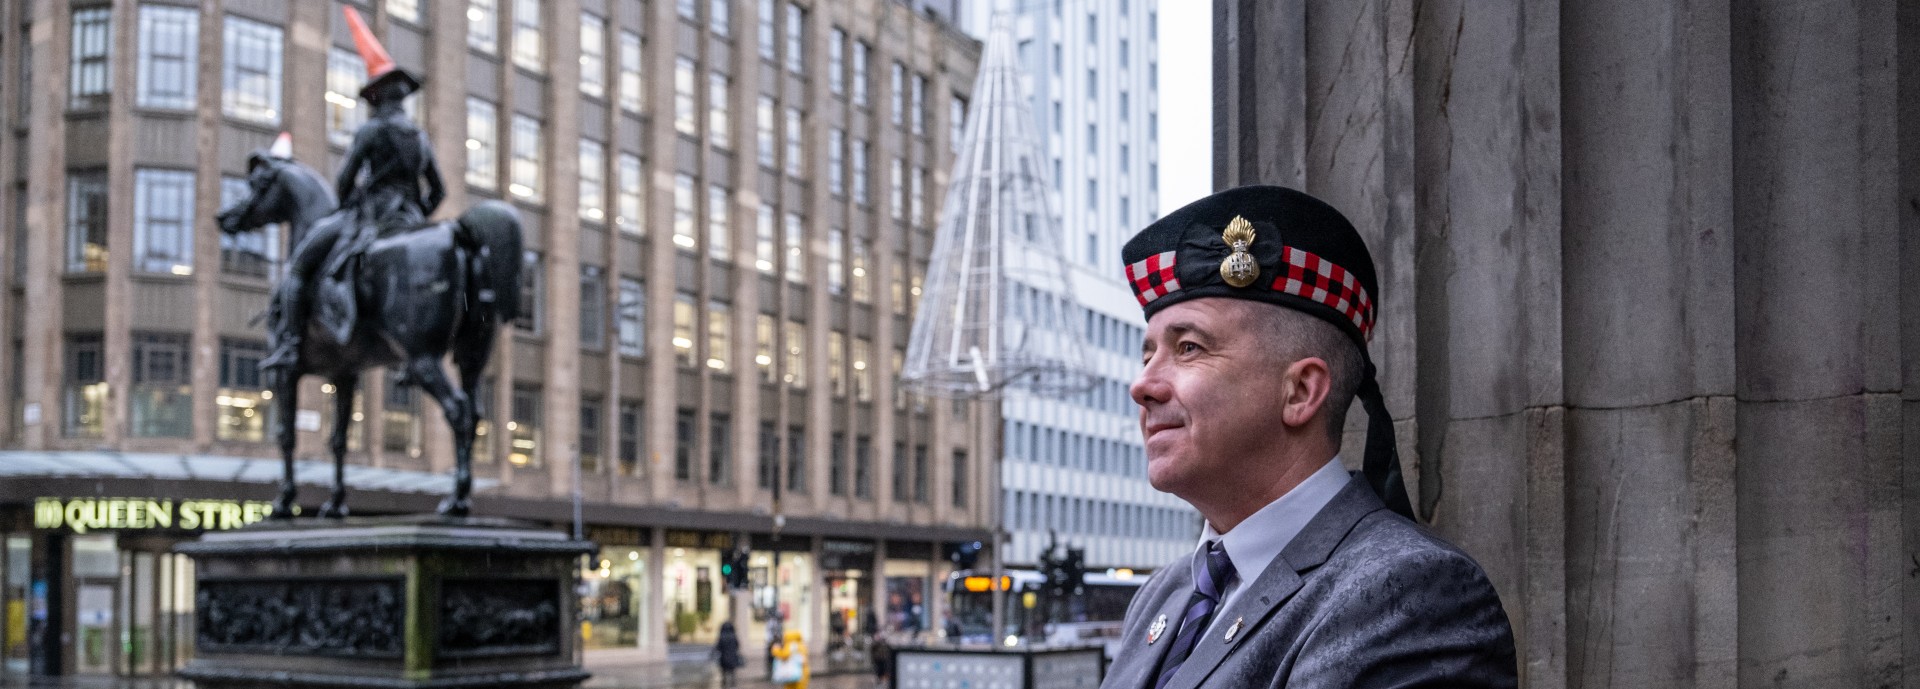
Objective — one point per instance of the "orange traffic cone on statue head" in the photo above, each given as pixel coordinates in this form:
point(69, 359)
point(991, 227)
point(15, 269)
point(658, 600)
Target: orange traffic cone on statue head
point(380, 67)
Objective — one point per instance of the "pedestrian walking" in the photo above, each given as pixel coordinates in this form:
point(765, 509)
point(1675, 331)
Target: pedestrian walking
point(790, 668)
point(882, 653)
point(726, 652)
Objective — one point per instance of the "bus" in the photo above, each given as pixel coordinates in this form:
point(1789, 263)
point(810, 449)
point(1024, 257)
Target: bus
point(1092, 616)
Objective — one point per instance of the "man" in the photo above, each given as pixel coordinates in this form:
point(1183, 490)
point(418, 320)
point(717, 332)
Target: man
point(1259, 303)
point(379, 186)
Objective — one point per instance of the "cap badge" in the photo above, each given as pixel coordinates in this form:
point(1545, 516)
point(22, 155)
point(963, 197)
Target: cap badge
point(1239, 269)
point(1153, 632)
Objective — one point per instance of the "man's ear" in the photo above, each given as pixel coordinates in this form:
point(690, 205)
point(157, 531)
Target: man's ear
point(1304, 391)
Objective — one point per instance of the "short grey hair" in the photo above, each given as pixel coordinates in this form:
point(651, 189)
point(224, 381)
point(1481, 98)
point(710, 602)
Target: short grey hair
point(1295, 335)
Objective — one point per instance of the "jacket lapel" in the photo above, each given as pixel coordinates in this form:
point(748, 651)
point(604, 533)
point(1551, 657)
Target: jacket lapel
point(1283, 578)
point(1138, 660)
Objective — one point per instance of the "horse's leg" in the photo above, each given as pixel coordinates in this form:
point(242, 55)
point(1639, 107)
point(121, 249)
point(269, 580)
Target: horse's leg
point(343, 389)
point(428, 374)
point(286, 404)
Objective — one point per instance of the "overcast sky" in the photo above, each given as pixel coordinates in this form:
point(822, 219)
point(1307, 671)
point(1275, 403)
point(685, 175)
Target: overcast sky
point(1186, 102)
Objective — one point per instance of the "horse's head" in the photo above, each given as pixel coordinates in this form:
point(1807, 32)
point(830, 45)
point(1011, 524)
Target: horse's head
point(268, 199)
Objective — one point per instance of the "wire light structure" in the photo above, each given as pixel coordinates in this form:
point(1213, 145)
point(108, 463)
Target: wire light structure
point(997, 313)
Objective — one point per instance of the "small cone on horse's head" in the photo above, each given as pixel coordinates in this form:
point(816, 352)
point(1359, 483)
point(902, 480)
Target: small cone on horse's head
point(282, 149)
point(380, 67)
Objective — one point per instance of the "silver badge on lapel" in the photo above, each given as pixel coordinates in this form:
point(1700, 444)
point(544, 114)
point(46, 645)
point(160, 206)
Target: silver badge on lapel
point(1153, 632)
point(1235, 629)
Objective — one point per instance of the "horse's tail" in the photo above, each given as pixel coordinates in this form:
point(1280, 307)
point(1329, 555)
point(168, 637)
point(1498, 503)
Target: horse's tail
point(493, 228)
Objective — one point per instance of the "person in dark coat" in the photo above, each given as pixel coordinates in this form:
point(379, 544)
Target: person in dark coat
point(726, 652)
point(882, 660)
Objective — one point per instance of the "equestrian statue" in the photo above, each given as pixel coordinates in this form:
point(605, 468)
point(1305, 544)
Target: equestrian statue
point(371, 283)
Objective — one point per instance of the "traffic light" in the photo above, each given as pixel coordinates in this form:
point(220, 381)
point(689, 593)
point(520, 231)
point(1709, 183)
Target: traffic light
point(965, 555)
point(733, 568)
point(1074, 569)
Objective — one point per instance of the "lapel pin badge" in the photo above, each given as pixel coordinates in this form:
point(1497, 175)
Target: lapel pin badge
point(1153, 632)
point(1235, 629)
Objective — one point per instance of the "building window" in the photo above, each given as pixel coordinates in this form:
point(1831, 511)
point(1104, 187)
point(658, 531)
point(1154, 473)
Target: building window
point(863, 467)
point(901, 486)
point(769, 457)
point(593, 55)
point(87, 222)
point(919, 104)
point(860, 52)
point(525, 173)
point(526, 35)
point(897, 283)
point(405, 10)
point(161, 404)
point(794, 368)
point(899, 93)
point(763, 333)
point(524, 427)
point(593, 180)
point(796, 158)
point(719, 131)
point(796, 254)
point(1093, 138)
point(959, 478)
point(836, 266)
point(483, 25)
point(899, 389)
point(719, 464)
point(837, 464)
point(169, 42)
point(255, 253)
point(837, 363)
point(957, 113)
point(862, 372)
point(1093, 28)
point(860, 195)
point(763, 119)
point(483, 130)
point(532, 280)
point(163, 221)
point(917, 196)
point(85, 412)
point(796, 459)
point(92, 57)
point(683, 211)
point(683, 440)
point(796, 39)
point(920, 474)
point(632, 311)
point(242, 407)
point(862, 282)
point(719, 327)
point(251, 89)
point(632, 95)
point(897, 196)
point(687, 9)
point(837, 61)
point(400, 420)
point(765, 245)
point(683, 318)
point(630, 216)
point(767, 31)
point(593, 307)
point(685, 118)
point(589, 441)
point(629, 438)
point(345, 74)
point(836, 161)
point(718, 16)
point(1093, 194)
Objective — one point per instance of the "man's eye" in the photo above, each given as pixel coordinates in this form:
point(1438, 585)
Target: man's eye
point(1189, 348)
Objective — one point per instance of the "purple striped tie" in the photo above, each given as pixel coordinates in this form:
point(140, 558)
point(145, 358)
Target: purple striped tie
point(1210, 576)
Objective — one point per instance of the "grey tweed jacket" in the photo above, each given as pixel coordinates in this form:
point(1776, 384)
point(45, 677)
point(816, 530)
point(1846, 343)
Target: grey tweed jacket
point(1360, 598)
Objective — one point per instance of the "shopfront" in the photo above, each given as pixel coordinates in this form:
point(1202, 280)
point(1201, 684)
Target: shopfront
point(846, 569)
point(697, 599)
point(92, 586)
point(616, 610)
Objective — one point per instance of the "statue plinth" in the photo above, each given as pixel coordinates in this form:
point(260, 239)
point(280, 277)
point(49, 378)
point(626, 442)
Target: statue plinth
point(401, 602)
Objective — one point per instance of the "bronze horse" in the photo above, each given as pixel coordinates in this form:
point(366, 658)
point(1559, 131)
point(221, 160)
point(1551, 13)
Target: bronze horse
point(423, 293)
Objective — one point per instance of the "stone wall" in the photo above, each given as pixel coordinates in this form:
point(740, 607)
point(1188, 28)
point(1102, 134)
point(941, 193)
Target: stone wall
point(1650, 277)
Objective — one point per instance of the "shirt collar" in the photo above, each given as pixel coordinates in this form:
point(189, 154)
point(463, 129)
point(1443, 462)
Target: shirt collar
point(1261, 536)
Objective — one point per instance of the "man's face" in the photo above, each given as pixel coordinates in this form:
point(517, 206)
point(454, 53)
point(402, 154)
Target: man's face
point(1208, 394)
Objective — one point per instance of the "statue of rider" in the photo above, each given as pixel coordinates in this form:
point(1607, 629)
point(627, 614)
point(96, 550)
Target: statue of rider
point(379, 187)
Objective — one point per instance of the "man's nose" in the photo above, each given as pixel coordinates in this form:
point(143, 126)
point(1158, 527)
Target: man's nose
point(1150, 385)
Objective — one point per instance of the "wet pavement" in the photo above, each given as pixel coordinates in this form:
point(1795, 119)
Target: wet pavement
point(687, 668)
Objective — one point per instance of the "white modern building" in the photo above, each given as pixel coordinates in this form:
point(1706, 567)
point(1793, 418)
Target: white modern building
point(1076, 465)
